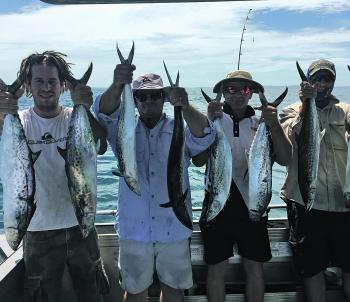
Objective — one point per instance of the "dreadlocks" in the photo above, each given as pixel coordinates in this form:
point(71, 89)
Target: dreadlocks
point(48, 57)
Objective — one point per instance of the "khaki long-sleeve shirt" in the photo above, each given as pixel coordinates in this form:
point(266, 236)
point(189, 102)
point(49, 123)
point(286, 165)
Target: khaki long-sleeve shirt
point(335, 119)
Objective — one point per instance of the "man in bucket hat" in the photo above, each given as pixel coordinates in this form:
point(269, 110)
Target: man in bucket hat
point(151, 237)
point(232, 225)
point(319, 238)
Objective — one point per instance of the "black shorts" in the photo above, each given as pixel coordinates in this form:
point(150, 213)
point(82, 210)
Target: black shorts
point(231, 226)
point(318, 239)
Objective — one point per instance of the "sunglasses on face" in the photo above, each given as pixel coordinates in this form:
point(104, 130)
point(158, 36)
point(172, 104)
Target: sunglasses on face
point(322, 77)
point(235, 90)
point(153, 96)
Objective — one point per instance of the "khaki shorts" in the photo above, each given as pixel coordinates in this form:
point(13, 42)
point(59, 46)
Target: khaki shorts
point(138, 261)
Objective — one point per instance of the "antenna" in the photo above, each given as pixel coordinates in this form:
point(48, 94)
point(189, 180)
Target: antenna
point(240, 45)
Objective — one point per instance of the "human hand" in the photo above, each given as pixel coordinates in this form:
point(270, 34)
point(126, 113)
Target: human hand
point(215, 110)
point(270, 115)
point(307, 91)
point(123, 74)
point(8, 101)
point(81, 95)
point(177, 96)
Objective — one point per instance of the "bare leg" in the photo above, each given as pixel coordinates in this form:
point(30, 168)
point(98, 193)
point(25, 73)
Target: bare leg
point(315, 288)
point(346, 285)
point(169, 294)
point(141, 297)
point(254, 290)
point(216, 282)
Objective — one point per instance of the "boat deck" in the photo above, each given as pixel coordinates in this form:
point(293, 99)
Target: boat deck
point(281, 279)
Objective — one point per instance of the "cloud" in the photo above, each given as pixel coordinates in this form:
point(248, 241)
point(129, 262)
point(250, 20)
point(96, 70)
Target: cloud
point(200, 39)
point(32, 8)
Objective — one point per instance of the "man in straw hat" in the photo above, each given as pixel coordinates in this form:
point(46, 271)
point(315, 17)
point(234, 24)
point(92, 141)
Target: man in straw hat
point(319, 237)
point(232, 225)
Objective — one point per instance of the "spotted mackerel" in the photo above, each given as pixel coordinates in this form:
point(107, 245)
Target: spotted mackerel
point(126, 133)
point(308, 141)
point(17, 176)
point(219, 168)
point(81, 163)
point(260, 167)
point(177, 199)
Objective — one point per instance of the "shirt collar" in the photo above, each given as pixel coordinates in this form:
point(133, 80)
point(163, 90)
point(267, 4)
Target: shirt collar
point(248, 112)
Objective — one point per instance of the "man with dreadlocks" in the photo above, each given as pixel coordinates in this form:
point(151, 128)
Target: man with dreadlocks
point(53, 238)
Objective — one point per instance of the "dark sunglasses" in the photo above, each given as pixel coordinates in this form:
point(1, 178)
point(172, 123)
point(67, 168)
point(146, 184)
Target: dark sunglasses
point(234, 90)
point(142, 97)
point(325, 77)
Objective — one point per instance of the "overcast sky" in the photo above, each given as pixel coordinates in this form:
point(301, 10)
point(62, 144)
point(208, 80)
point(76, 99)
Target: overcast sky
point(199, 39)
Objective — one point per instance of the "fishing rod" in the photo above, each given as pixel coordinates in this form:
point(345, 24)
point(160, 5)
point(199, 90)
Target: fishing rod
point(242, 38)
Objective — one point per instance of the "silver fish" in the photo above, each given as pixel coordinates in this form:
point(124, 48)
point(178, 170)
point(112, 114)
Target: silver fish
point(308, 140)
point(81, 168)
point(126, 137)
point(18, 180)
point(17, 174)
point(177, 199)
point(260, 167)
point(220, 168)
point(81, 163)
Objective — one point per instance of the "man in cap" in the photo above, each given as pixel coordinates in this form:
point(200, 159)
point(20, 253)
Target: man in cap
point(232, 225)
point(151, 237)
point(319, 238)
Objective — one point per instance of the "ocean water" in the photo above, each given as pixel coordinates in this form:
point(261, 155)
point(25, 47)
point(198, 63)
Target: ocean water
point(107, 184)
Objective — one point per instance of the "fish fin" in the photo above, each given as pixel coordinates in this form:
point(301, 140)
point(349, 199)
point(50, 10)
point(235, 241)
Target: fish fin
point(116, 172)
point(62, 152)
point(185, 195)
point(322, 134)
point(278, 101)
point(308, 207)
point(296, 135)
point(35, 155)
point(245, 174)
point(165, 205)
point(206, 97)
point(98, 146)
point(85, 78)
point(301, 73)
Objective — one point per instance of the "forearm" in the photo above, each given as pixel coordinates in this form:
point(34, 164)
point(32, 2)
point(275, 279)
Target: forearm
point(195, 120)
point(98, 132)
point(281, 145)
point(110, 99)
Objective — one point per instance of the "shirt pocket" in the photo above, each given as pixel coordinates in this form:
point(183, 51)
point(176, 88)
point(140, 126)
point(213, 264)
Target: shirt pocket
point(338, 134)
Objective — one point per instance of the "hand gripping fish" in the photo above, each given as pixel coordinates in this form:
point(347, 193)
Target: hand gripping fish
point(80, 156)
point(17, 175)
point(346, 188)
point(220, 168)
point(175, 165)
point(126, 137)
point(308, 140)
point(260, 166)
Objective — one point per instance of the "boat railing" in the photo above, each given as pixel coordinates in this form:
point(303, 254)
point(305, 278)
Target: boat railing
point(198, 209)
